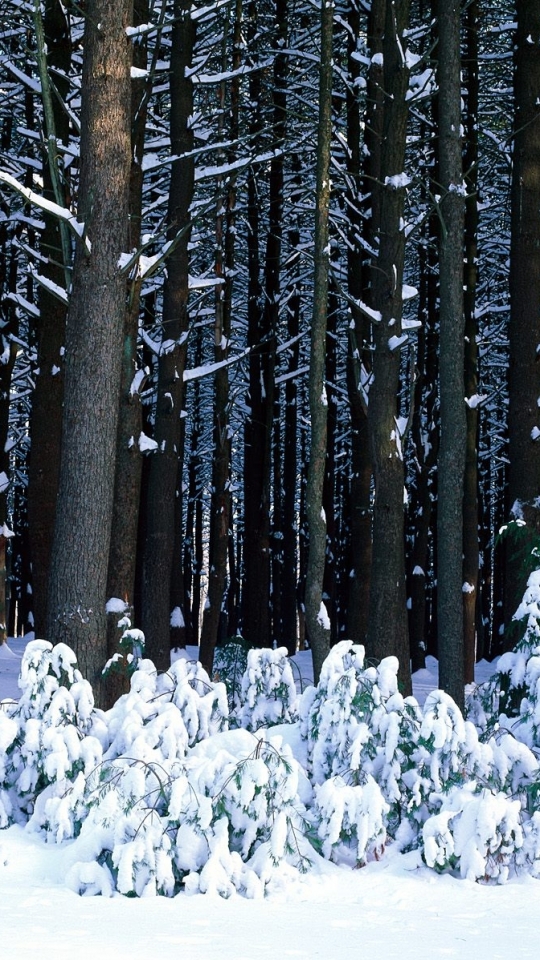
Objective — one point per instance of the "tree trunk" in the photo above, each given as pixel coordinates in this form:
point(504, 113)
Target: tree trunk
point(452, 392)
point(524, 332)
point(163, 474)
point(471, 554)
point(46, 415)
point(94, 341)
point(359, 356)
point(258, 427)
point(388, 628)
point(127, 487)
point(316, 614)
point(220, 506)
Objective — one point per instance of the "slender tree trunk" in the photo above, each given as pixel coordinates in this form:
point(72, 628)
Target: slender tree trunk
point(388, 628)
point(471, 554)
point(289, 598)
point(524, 332)
point(359, 357)
point(163, 474)
point(453, 423)
point(316, 614)
point(94, 342)
point(258, 428)
point(127, 488)
point(46, 415)
point(220, 506)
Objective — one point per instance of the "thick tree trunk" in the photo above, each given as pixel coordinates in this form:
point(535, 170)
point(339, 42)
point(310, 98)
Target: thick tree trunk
point(452, 392)
point(94, 341)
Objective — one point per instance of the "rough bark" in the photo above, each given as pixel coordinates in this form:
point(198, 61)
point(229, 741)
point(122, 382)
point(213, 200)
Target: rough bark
point(127, 486)
point(94, 341)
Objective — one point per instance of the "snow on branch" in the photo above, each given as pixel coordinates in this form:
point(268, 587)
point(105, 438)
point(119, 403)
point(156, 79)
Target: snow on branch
point(204, 371)
point(62, 213)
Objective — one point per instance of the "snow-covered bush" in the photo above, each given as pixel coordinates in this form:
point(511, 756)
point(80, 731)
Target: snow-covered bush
point(482, 835)
point(54, 732)
point(511, 698)
point(268, 690)
point(131, 643)
point(196, 825)
point(357, 724)
point(164, 714)
point(157, 795)
point(230, 663)
point(350, 820)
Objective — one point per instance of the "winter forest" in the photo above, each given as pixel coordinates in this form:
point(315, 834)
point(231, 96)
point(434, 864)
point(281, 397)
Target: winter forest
point(270, 287)
point(270, 321)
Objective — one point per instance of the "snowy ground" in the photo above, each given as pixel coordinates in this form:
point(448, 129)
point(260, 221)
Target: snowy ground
point(396, 908)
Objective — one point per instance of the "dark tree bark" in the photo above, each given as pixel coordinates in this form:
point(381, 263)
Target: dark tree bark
point(289, 595)
point(46, 416)
point(220, 506)
point(94, 341)
point(316, 614)
point(258, 427)
point(388, 628)
point(471, 553)
point(8, 285)
point(127, 487)
point(362, 180)
point(425, 445)
point(274, 240)
point(524, 332)
point(452, 392)
point(163, 474)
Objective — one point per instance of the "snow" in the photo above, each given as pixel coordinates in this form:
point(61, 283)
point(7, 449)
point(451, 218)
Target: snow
point(146, 444)
point(397, 181)
point(44, 204)
point(115, 605)
point(392, 908)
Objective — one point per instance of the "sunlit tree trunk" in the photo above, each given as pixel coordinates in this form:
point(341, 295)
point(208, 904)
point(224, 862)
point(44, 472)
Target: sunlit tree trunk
point(94, 343)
